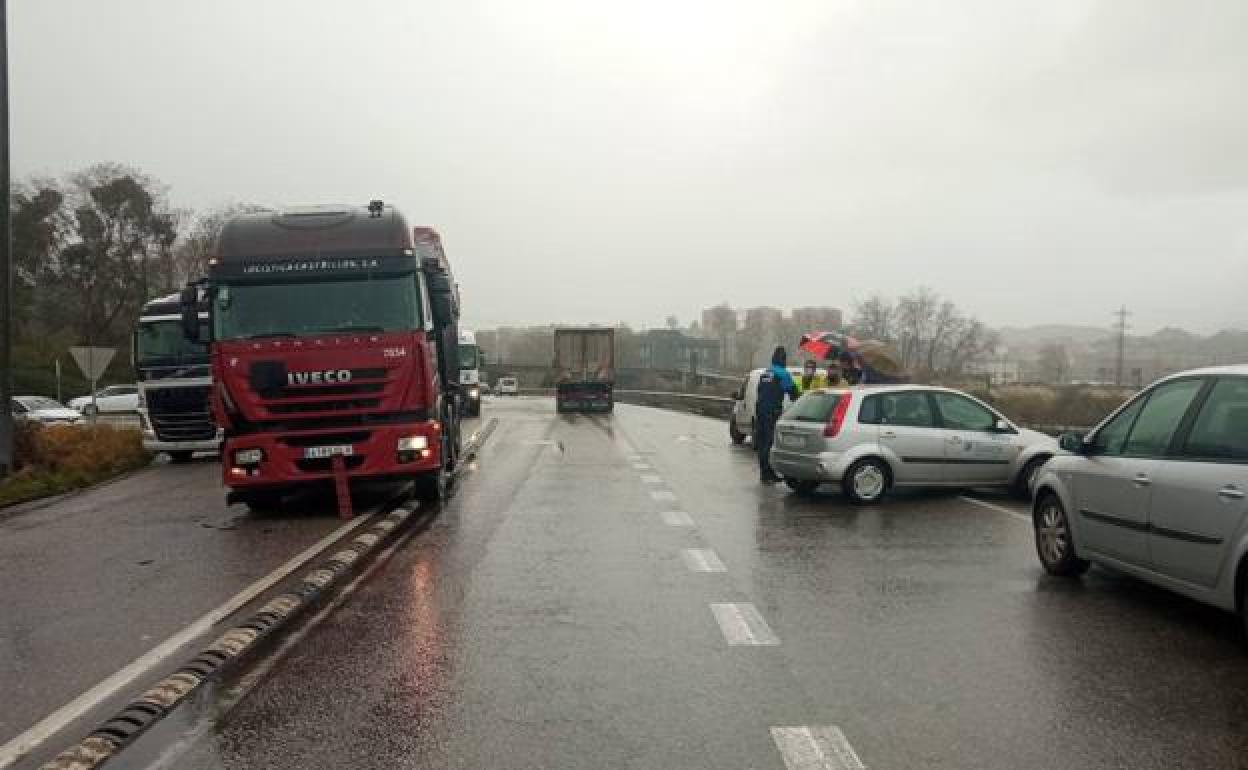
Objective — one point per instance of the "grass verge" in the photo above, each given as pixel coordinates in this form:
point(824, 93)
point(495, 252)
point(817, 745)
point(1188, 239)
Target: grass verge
point(55, 459)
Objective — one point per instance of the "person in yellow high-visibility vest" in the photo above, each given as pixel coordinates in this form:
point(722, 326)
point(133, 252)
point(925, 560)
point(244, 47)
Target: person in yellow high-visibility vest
point(811, 378)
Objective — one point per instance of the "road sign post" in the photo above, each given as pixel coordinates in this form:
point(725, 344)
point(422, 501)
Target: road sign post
point(92, 362)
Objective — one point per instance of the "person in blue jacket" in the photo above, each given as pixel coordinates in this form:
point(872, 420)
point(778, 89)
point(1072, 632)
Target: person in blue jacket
point(773, 385)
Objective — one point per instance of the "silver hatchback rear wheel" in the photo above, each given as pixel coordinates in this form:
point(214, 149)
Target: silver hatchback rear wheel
point(866, 481)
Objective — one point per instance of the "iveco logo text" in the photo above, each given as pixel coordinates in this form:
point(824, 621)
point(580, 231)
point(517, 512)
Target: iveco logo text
point(318, 378)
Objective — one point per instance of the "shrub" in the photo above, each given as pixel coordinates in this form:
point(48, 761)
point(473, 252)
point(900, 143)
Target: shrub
point(57, 458)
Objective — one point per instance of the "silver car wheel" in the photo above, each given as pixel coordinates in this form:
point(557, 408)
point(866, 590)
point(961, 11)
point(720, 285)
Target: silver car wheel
point(1053, 532)
point(869, 482)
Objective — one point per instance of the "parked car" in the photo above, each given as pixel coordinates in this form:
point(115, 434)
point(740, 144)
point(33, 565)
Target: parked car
point(508, 386)
point(874, 437)
point(741, 423)
point(43, 410)
point(1158, 490)
point(114, 398)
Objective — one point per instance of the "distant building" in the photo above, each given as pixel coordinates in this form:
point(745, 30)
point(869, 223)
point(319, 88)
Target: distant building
point(673, 350)
point(818, 318)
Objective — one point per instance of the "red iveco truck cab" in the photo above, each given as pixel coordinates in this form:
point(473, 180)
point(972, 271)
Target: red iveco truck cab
point(334, 348)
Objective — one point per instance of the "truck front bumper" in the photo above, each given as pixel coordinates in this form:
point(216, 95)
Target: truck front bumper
point(284, 458)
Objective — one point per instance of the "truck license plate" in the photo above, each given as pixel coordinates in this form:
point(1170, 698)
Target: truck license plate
point(322, 452)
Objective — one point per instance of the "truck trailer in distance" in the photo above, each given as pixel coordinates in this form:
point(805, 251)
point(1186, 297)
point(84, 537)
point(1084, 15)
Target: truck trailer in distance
point(584, 369)
point(334, 347)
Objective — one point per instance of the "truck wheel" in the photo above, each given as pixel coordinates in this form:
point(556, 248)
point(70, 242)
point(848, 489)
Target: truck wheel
point(181, 456)
point(433, 487)
point(261, 502)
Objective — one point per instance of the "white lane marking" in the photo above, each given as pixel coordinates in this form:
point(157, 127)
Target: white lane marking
point(702, 560)
point(677, 519)
point(650, 478)
point(232, 696)
point(662, 495)
point(743, 625)
point(60, 719)
point(815, 748)
point(998, 508)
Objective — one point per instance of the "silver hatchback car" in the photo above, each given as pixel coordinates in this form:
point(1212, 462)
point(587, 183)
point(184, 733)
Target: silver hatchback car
point(870, 438)
point(1158, 490)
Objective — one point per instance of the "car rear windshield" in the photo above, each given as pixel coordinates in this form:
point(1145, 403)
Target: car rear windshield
point(814, 407)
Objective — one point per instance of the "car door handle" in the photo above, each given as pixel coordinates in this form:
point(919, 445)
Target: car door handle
point(1142, 481)
point(955, 439)
point(1231, 492)
point(888, 434)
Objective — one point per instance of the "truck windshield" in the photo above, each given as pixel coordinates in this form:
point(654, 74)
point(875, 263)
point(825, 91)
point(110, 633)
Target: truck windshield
point(249, 311)
point(162, 342)
point(468, 356)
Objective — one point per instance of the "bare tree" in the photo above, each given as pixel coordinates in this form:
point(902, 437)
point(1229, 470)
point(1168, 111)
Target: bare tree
point(874, 318)
point(1054, 363)
point(191, 256)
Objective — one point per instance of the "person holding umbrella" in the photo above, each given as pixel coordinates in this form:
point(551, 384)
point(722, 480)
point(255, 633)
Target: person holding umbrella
point(774, 384)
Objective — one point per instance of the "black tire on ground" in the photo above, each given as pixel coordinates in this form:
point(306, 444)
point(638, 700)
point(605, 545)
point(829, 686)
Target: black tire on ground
point(803, 487)
point(181, 456)
point(867, 481)
point(737, 436)
point(1055, 544)
point(1022, 485)
point(261, 502)
point(434, 486)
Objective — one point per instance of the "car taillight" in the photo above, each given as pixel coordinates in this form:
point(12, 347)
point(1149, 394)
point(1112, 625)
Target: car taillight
point(837, 418)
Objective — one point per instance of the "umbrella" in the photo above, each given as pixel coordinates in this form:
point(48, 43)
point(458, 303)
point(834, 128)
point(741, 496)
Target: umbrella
point(827, 344)
point(879, 358)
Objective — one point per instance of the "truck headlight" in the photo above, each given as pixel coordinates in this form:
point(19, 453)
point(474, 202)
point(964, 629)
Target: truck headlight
point(413, 443)
point(244, 457)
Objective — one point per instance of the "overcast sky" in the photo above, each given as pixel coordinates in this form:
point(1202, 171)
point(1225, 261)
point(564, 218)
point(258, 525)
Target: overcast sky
point(602, 161)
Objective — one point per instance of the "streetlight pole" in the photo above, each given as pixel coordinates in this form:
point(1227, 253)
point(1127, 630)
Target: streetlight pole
point(6, 258)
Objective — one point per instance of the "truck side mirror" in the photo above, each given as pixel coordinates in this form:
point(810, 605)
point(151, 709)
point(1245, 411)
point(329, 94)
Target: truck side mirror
point(189, 300)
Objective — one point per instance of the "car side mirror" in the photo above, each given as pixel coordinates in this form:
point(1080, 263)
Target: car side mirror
point(1001, 426)
point(189, 301)
point(1072, 442)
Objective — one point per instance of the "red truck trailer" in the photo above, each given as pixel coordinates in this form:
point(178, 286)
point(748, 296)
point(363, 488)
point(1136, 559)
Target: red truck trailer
point(334, 351)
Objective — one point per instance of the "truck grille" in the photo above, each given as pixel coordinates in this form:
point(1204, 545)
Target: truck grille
point(181, 414)
point(365, 392)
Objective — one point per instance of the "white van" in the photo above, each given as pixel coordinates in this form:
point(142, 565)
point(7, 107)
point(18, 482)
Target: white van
point(741, 424)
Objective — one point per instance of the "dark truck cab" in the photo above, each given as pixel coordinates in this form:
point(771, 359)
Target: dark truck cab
point(334, 348)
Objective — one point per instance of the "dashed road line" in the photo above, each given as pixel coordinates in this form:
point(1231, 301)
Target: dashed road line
point(742, 625)
point(677, 519)
point(662, 495)
point(815, 748)
point(650, 478)
point(702, 560)
point(998, 508)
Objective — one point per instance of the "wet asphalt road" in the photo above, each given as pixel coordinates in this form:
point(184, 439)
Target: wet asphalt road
point(90, 582)
point(549, 618)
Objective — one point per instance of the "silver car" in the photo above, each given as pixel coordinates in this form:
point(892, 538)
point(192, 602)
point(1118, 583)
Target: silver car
point(1159, 490)
point(871, 438)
